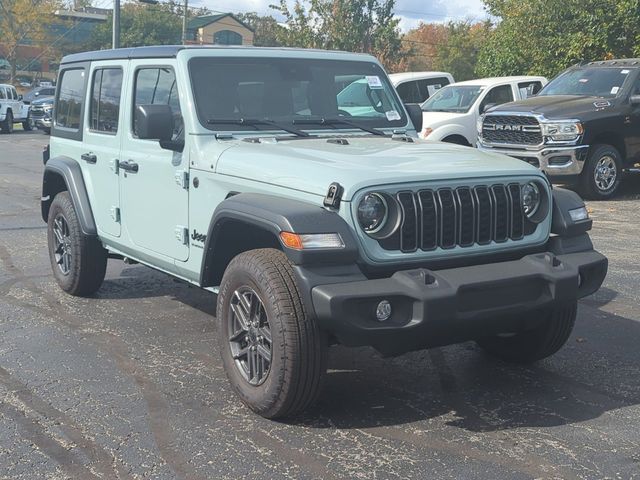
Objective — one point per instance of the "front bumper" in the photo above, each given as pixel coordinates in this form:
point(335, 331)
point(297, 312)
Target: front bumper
point(554, 161)
point(432, 308)
point(42, 123)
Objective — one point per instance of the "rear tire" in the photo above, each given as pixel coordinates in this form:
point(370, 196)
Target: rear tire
point(7, 125)
point(260, 310)
point(27, 125)
point(78, 261)
point(602, 173)
point(533, 345)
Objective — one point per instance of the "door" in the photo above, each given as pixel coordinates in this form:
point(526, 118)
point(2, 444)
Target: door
point(99, 159)
point(153, 181)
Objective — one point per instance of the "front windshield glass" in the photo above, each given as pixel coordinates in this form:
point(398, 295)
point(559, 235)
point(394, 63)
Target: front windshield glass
point(594, 81)
point(292, 91)
point(453, 98)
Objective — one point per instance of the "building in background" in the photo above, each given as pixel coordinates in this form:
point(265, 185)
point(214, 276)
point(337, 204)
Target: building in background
point(222, 29)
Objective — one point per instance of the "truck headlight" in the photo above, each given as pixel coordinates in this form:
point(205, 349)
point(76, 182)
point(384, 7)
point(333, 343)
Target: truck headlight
point(479, 125)
point(562, 131)
point(531, 199)
point(372, 212)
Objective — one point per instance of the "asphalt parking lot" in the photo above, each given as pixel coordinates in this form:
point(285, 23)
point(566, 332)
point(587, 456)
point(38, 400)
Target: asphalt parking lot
point(129, 385)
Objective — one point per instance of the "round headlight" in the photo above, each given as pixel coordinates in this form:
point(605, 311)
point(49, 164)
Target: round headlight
point(372, 212)
point(531, 199)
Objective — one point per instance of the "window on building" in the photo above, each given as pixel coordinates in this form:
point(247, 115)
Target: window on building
point(157, 86)
point(105, 100)
point(69, 106)
point(227, 37)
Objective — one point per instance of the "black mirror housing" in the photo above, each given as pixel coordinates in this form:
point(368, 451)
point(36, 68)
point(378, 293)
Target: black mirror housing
point(415, 114)
point(154, 122)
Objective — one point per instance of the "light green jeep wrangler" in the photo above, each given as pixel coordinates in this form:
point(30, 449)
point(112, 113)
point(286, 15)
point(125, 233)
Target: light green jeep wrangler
point(317, 218)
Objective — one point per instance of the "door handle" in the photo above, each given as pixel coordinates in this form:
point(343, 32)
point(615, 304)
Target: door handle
point(89, 157)
point(129, 166)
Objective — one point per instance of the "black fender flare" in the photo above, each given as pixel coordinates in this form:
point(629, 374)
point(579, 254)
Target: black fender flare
point(273, 214)
point(64, 173)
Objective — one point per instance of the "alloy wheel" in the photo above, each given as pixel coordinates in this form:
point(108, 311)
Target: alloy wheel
point(62, 244)
point(250, 335)
point(605, 173)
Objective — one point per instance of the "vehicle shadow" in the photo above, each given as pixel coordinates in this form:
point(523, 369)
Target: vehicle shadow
point(595, 373)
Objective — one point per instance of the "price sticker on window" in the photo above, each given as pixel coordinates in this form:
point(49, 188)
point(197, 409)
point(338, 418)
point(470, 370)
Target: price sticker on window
point(392, 115)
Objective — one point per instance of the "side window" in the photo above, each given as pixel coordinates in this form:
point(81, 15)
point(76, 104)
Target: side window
point(497, 96)
point(430, 86)
point(3, 96)
point(528, 89)
point(12, 93)
point(105, 100)
point(409, 92)
point(69, 105)
point(157, 86)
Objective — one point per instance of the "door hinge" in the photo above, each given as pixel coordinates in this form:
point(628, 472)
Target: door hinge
point(114, 165)
point(115, 214)
point(182, 234)
point(182, 179)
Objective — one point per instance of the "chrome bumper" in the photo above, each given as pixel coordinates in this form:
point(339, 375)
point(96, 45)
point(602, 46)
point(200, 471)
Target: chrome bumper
point(554, 161)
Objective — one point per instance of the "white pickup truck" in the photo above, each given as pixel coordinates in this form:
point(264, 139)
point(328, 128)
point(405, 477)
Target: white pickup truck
point(13, 110)
point(451, 114)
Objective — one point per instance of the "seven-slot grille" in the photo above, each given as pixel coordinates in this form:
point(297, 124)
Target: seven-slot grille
point(463, 216)
point(511, 129)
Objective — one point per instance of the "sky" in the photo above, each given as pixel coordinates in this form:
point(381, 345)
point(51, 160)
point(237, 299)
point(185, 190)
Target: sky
point(411, 12)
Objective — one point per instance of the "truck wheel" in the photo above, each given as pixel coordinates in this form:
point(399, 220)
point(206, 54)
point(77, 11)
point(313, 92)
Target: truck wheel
point(602, 173)
point(273, 353)
point(7, 125)
point(27, 125)
point(79, 262)
point(533, 345)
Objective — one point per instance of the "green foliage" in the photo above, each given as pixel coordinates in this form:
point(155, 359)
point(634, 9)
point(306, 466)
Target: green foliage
point(546, 36)
point(353, 25)
point(458, 54)
point(142, 24)
point(265, 28)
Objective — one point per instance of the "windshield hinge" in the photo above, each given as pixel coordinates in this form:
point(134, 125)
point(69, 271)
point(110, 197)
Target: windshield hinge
point(182, 178)
point(401, 136)
point(334, 195)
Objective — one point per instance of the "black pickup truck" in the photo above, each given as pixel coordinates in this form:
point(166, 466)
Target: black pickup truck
point(583, 127)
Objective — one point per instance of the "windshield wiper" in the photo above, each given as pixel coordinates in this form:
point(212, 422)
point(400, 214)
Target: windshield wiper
point(337, 120)
point(254, 122)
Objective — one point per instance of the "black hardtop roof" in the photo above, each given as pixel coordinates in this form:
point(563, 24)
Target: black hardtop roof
point(160, 51)
point(623, 62)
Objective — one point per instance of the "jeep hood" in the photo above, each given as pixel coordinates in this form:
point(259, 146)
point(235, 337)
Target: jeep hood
point(311, 165)
point(558, 106)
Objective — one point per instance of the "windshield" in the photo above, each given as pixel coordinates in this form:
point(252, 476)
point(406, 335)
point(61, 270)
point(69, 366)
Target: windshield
point(247, 91)
point(594, 81)
point(453, 98)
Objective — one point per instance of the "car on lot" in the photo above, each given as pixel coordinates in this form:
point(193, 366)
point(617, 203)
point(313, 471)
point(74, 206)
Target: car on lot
point(416, 87)
point(451, 115)
point(39, 92)
point(42, 113)
point(583, 128)
point(239, 170)
point(13, 110)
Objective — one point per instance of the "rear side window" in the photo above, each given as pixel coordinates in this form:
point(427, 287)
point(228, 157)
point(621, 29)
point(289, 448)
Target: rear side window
point(105, 100)
point(409, 92)
point(68, 109)
point(157, 86)
point(528, 89)
point(418, 91)
point(2, 94)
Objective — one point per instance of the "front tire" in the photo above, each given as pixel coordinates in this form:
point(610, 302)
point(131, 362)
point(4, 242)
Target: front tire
point(602, 173)
point(27, 125)
point(535, 344)
point(78, 261)
point(273, 353)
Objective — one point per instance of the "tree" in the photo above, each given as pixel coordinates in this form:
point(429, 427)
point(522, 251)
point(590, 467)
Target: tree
point(368, 26)
point(265, 28)
point(424, 42)
point(142, 24)
point(24, 21)
point(544, 37)
point(458, 54)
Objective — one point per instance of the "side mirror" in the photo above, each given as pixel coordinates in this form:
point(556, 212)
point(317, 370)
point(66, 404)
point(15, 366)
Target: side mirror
point(154, 122)
point(415, 114)
point(488, 106)
point(19, 97)
point(634, 99)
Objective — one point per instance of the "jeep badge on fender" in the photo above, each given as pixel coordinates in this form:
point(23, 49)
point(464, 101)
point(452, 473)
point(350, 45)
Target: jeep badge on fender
point(318, 218)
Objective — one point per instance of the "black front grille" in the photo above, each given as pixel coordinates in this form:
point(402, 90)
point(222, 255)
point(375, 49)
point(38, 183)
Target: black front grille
point(511, 129)
point(461, 217)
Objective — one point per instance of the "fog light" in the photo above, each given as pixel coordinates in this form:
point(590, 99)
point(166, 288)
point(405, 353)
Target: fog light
point(383, 311)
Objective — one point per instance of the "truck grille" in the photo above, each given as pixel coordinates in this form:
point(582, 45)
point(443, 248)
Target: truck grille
point(37, 112)
point(460, 217)
point(511, 129)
